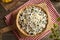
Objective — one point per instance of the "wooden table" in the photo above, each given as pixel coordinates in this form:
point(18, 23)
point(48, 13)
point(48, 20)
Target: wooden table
point(6, 8)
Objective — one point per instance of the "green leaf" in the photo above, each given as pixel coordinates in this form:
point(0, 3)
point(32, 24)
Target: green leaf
point(58, 19)
point(55, 25)
point(55, 31)
point(52, 30)
point(51, 36)
point(57, 39)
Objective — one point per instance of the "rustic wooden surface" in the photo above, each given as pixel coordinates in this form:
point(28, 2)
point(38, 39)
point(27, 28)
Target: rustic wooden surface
point(10, 35)
point(4, 10)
